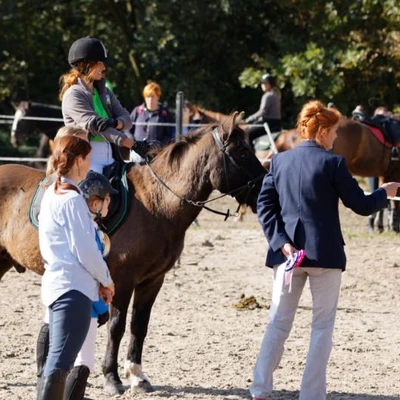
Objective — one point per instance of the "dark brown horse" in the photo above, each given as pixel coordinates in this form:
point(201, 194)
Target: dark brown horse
point(22, 127)
point(151, 238)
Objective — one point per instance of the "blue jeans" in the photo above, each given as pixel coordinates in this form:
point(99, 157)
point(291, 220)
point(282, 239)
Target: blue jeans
point(69, 323)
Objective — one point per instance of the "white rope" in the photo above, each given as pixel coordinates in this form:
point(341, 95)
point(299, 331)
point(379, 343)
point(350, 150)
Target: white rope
point(11, 118)
point(23, 159)
point(270, 138)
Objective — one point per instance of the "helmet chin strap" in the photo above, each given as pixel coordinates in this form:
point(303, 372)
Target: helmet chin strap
point(98, 217)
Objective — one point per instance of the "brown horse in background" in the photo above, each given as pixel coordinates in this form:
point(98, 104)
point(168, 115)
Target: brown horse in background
point(165, 198)
point(365, 155)
point(202, 115)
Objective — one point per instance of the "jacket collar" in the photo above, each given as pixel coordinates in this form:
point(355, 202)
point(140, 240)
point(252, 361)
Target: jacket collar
point(99, 85)
point(310, 143)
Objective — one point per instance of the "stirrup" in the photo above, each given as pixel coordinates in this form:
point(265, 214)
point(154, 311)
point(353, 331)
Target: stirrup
point(394, 154)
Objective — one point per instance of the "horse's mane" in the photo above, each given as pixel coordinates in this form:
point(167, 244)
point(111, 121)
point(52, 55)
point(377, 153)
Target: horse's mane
point(174, 153)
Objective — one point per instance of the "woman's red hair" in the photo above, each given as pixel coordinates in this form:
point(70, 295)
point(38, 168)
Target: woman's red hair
point(315, 120)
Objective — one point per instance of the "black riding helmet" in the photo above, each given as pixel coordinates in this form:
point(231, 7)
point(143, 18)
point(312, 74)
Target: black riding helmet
point(269, 78)
point(87, 49)
point(96, 184)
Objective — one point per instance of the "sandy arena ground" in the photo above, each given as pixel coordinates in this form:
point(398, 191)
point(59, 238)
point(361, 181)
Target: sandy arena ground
point(200, 346)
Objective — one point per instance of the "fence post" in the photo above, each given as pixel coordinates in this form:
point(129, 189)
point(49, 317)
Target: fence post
point(179, 115)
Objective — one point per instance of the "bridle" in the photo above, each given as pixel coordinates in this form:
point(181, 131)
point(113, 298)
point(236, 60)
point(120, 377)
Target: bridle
point(223, 146)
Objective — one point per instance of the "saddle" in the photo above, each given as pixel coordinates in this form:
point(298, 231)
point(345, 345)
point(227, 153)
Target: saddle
point(119, 205)
point(385, 129)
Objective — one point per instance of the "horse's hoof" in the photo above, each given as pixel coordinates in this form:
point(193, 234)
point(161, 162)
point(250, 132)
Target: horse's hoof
point(113, 388)
point(142, 387)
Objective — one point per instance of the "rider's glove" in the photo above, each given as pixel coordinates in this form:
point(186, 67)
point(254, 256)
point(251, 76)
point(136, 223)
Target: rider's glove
point(140, 147)
point(101, 124)
point(113, 123)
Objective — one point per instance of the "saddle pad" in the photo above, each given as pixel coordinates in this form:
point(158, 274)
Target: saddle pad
point(381, 138)
point(119, 205)
point(117, 210)
point(263, 143)
point(34, 208)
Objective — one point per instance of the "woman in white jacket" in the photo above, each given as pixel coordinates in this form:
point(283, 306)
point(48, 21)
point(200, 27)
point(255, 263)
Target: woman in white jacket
point(75, 272)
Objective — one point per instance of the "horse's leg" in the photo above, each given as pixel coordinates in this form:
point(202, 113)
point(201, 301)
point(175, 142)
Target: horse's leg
point(43, 149)
point(380, 220)
point(390, 216)
point(373, 185)
point(396, 216)
point(5, 265)
point(145, 296)
point(371, 222)
point(116, 329)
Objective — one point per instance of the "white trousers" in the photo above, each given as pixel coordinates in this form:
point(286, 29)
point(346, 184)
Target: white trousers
point(86, 356)
point(325, 287)
point(101, 156)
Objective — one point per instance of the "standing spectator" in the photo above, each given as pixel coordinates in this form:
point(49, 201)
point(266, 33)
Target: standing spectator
point(298, 210)
point(152, 112)
point(88, 103)
point(75, 272)
point(96, 190)
point(270, 109)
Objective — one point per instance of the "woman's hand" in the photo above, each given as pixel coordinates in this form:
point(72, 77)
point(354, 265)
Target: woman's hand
point(391, 188)
point(288, 250)
point(106, 293)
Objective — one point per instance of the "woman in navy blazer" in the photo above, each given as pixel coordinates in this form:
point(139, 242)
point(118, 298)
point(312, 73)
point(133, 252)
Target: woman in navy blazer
point(298, 210)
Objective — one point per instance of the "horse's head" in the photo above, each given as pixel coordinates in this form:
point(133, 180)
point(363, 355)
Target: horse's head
point(237, 170)
point(19, 125)
point(191, 113)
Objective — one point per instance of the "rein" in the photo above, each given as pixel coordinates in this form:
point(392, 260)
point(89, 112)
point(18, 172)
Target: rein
point(202, 204)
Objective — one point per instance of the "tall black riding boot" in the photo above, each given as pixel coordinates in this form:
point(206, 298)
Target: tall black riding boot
point(42, 350)
point(76, 383)
point(53, 386)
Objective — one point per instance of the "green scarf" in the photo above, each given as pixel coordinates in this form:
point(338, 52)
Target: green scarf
point(100, 111)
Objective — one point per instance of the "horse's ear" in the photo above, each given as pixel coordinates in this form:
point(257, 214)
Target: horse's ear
point(231, 123)
point(240, 118)
point(14, 104)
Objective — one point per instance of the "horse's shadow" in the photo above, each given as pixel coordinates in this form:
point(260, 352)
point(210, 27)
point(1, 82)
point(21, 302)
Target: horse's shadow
point(243, 394)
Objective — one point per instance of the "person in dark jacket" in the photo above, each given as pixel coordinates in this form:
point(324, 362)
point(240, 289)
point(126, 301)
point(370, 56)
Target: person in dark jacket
point(298, 211)
point(152, 112)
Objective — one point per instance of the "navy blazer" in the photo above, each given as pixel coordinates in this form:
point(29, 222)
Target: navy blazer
point(299, 204)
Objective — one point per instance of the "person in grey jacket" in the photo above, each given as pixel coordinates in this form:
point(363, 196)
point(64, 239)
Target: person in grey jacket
point(269, 111)
point(88, 103)
point(75, 272)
